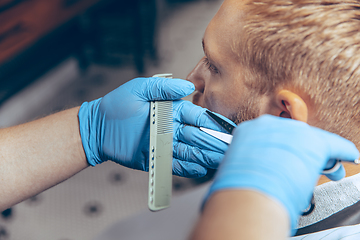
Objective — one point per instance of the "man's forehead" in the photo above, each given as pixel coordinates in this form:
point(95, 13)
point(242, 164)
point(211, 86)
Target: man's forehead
point(235, 7)
point(228, 8)
point(225, 29)
point(229, 19)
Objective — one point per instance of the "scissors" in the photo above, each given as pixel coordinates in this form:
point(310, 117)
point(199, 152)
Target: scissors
point(229, 127)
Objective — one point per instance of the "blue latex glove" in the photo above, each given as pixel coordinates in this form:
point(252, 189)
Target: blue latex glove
point(116, 127)
point(281, 158)
point(195, 150)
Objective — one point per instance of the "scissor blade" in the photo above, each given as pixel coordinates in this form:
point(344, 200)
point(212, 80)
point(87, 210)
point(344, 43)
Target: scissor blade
point(227, 138)
point(227, 126)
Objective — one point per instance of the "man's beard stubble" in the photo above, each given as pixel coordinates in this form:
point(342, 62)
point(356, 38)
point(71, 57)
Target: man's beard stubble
point(249, 109)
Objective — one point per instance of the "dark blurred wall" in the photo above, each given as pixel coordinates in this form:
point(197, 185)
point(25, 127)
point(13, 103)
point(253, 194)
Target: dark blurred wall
point(107, 32)
point(35, 35)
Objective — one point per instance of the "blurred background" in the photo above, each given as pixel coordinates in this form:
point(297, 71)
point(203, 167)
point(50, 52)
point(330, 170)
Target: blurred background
point(57, 54)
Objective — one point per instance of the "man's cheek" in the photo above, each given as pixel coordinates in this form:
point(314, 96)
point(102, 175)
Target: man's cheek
point(220, 106)
point(215, 103)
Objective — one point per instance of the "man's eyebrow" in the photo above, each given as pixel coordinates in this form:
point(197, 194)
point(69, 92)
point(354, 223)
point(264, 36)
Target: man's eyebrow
point(204, 48)
point(207, 54)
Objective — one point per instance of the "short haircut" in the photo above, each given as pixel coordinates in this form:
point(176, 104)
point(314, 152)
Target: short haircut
point(313, 47)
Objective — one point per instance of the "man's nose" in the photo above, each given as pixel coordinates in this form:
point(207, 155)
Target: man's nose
point(197, 77)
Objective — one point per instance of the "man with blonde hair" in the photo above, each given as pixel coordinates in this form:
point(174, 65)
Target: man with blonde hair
point(295, 59)
point(274, 52)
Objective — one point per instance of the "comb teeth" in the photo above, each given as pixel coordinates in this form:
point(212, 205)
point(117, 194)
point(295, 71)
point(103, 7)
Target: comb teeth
point(160, 155)
point(164, 117)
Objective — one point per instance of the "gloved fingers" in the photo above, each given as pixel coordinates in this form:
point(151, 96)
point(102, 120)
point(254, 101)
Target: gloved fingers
point(340, 148)
point(336, 172)
point(191, 114)
point(195, 137)
point(191, 154)
point(166, 89)
point(188, 169)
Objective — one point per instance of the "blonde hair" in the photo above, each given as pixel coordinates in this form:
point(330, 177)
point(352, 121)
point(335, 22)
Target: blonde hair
point(312, 46)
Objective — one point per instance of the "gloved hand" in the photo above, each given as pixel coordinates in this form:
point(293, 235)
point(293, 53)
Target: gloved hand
point(116, 127)
point(281, 158)
point(194, 150)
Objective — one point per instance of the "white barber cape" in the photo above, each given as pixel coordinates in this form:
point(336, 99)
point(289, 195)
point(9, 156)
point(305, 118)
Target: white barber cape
point(345, 233)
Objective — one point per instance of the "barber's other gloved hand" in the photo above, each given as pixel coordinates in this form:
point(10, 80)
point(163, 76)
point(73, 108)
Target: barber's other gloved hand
point(116, 127)
point(281, 158)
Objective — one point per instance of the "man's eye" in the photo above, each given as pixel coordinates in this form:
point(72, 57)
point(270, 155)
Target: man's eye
point(211, 67)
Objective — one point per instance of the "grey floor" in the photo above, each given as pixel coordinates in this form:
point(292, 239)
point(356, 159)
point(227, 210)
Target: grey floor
point(87, 204)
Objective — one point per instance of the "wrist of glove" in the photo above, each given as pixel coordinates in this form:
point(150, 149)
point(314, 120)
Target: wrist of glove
point(88, 129)
point(281, 158)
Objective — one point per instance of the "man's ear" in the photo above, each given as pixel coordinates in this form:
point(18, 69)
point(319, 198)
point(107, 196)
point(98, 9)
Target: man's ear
point(291, 105)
